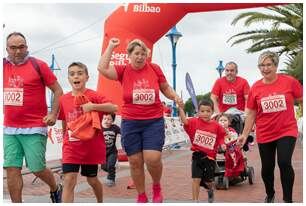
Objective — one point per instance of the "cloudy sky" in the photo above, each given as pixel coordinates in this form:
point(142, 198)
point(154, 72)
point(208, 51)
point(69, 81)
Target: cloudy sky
point(73, 32)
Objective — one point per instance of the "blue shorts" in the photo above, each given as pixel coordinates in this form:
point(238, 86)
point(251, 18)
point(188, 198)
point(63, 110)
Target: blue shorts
point(139, 135)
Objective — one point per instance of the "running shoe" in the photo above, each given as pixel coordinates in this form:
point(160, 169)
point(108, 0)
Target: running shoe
point(269, 199)
point(56, 197)
point(157, 195)
point(210, 194)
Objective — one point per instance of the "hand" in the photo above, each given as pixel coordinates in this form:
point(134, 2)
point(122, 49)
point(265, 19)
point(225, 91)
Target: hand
point(50, 119)
point(88, 107)
point(241, 140)
point(214, 116)
point(179, 102)
point(223, 147)
point(114, 42)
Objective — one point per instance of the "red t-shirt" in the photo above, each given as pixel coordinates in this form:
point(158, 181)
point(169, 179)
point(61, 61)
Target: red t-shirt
point(274, 106)
point(205, 136)
point(141, 91)
point(25, 95)
point(231, 94)
point(74, 150)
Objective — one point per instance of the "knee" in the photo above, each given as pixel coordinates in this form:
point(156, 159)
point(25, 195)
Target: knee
point(93, 181)
point(283, 164)
point(136, 163)
point(69, 182)
point(153, 161)
point(39, 173)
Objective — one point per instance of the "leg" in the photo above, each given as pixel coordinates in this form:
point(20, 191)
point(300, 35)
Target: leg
point(35, 150)
point(70, 180)
point(97, 187)
point(13, 159)
point(111, 166)
point(285, 148)
point(47, 176)
point(137, 171)
point(154, 164)
point(91, 171)
point(195, 188)
point(267, 156)
point(14, 184)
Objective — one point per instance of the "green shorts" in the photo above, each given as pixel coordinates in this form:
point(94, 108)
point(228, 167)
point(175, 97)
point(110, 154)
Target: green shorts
point(30, 146)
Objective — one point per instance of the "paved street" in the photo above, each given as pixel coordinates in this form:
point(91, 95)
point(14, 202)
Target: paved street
point(176, 183)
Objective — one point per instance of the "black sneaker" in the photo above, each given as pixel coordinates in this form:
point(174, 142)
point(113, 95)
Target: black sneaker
point(210, 194)
point(56, 197)
point(269, 199)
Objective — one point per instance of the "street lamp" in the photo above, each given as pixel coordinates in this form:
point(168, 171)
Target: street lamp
point(174, 35)
point(220, 68)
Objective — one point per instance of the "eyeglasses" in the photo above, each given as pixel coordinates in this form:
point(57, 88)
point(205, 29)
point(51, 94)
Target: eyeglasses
point(265, 65)
point(15, 48)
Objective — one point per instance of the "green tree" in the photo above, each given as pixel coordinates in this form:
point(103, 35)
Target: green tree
point(189, 108)
point(285, 36)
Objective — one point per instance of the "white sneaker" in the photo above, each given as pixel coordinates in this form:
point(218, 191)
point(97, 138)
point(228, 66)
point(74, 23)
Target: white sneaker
point(109, 182)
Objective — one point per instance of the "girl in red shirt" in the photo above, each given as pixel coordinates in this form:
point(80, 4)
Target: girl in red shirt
point(142, 125)
point(270, 106)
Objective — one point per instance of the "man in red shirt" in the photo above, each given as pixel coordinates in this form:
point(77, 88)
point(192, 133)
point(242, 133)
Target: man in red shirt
point(230, 91)
point(25, 116)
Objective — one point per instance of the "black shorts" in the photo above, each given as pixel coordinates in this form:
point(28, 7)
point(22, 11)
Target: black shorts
point(86, 170)
point(202, 167)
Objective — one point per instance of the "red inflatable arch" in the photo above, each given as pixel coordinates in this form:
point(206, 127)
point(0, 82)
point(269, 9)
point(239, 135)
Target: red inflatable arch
point(148, 22)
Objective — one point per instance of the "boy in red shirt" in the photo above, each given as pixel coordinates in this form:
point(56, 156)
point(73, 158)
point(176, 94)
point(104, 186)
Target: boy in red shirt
point(206, 136)
point(87, 154)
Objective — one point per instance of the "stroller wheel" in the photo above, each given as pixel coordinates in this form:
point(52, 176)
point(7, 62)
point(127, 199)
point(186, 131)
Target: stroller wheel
point(251, 175)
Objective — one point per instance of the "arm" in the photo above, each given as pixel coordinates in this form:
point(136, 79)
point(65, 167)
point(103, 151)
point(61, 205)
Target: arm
point(249, 122)
point(105, 107)
point(245, 99)
point(214, 98)
point(182, 116)
point(50, 119)
point(104, 66)
point(170, 94)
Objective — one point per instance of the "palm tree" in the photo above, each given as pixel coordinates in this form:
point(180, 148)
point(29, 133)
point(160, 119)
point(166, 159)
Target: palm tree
point(285, 34)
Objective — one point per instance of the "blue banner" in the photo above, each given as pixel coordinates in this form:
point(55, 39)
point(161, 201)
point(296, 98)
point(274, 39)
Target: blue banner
point(191, 91)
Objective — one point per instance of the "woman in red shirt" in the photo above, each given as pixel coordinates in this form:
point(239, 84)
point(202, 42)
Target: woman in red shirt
point(142, 125)
point(271, 106)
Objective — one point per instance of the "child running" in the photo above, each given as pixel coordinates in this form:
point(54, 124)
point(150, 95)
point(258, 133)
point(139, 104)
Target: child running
point(206, 136)
point(75, 114)
point(110, 131)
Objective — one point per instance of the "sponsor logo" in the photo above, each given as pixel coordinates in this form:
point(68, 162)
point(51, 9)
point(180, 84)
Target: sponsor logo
point(119, 58)
point(142, 8)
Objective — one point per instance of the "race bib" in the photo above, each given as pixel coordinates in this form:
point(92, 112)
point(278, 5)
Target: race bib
point(230, 99)
point(205, 139)
point(13, 96)
point(273, 103)
point(72, 139)
point(143, 96)
point(231, 137)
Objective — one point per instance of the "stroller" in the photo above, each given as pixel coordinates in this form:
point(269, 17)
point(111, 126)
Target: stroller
point(231, 165)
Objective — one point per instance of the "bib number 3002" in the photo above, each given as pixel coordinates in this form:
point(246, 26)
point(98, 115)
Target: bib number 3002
point(273, 103)
point(204, 139)
point(13, 96)
point(144, 96)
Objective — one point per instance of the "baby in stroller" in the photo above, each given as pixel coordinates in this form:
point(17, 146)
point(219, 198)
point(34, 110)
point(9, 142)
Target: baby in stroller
point(233, 166)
